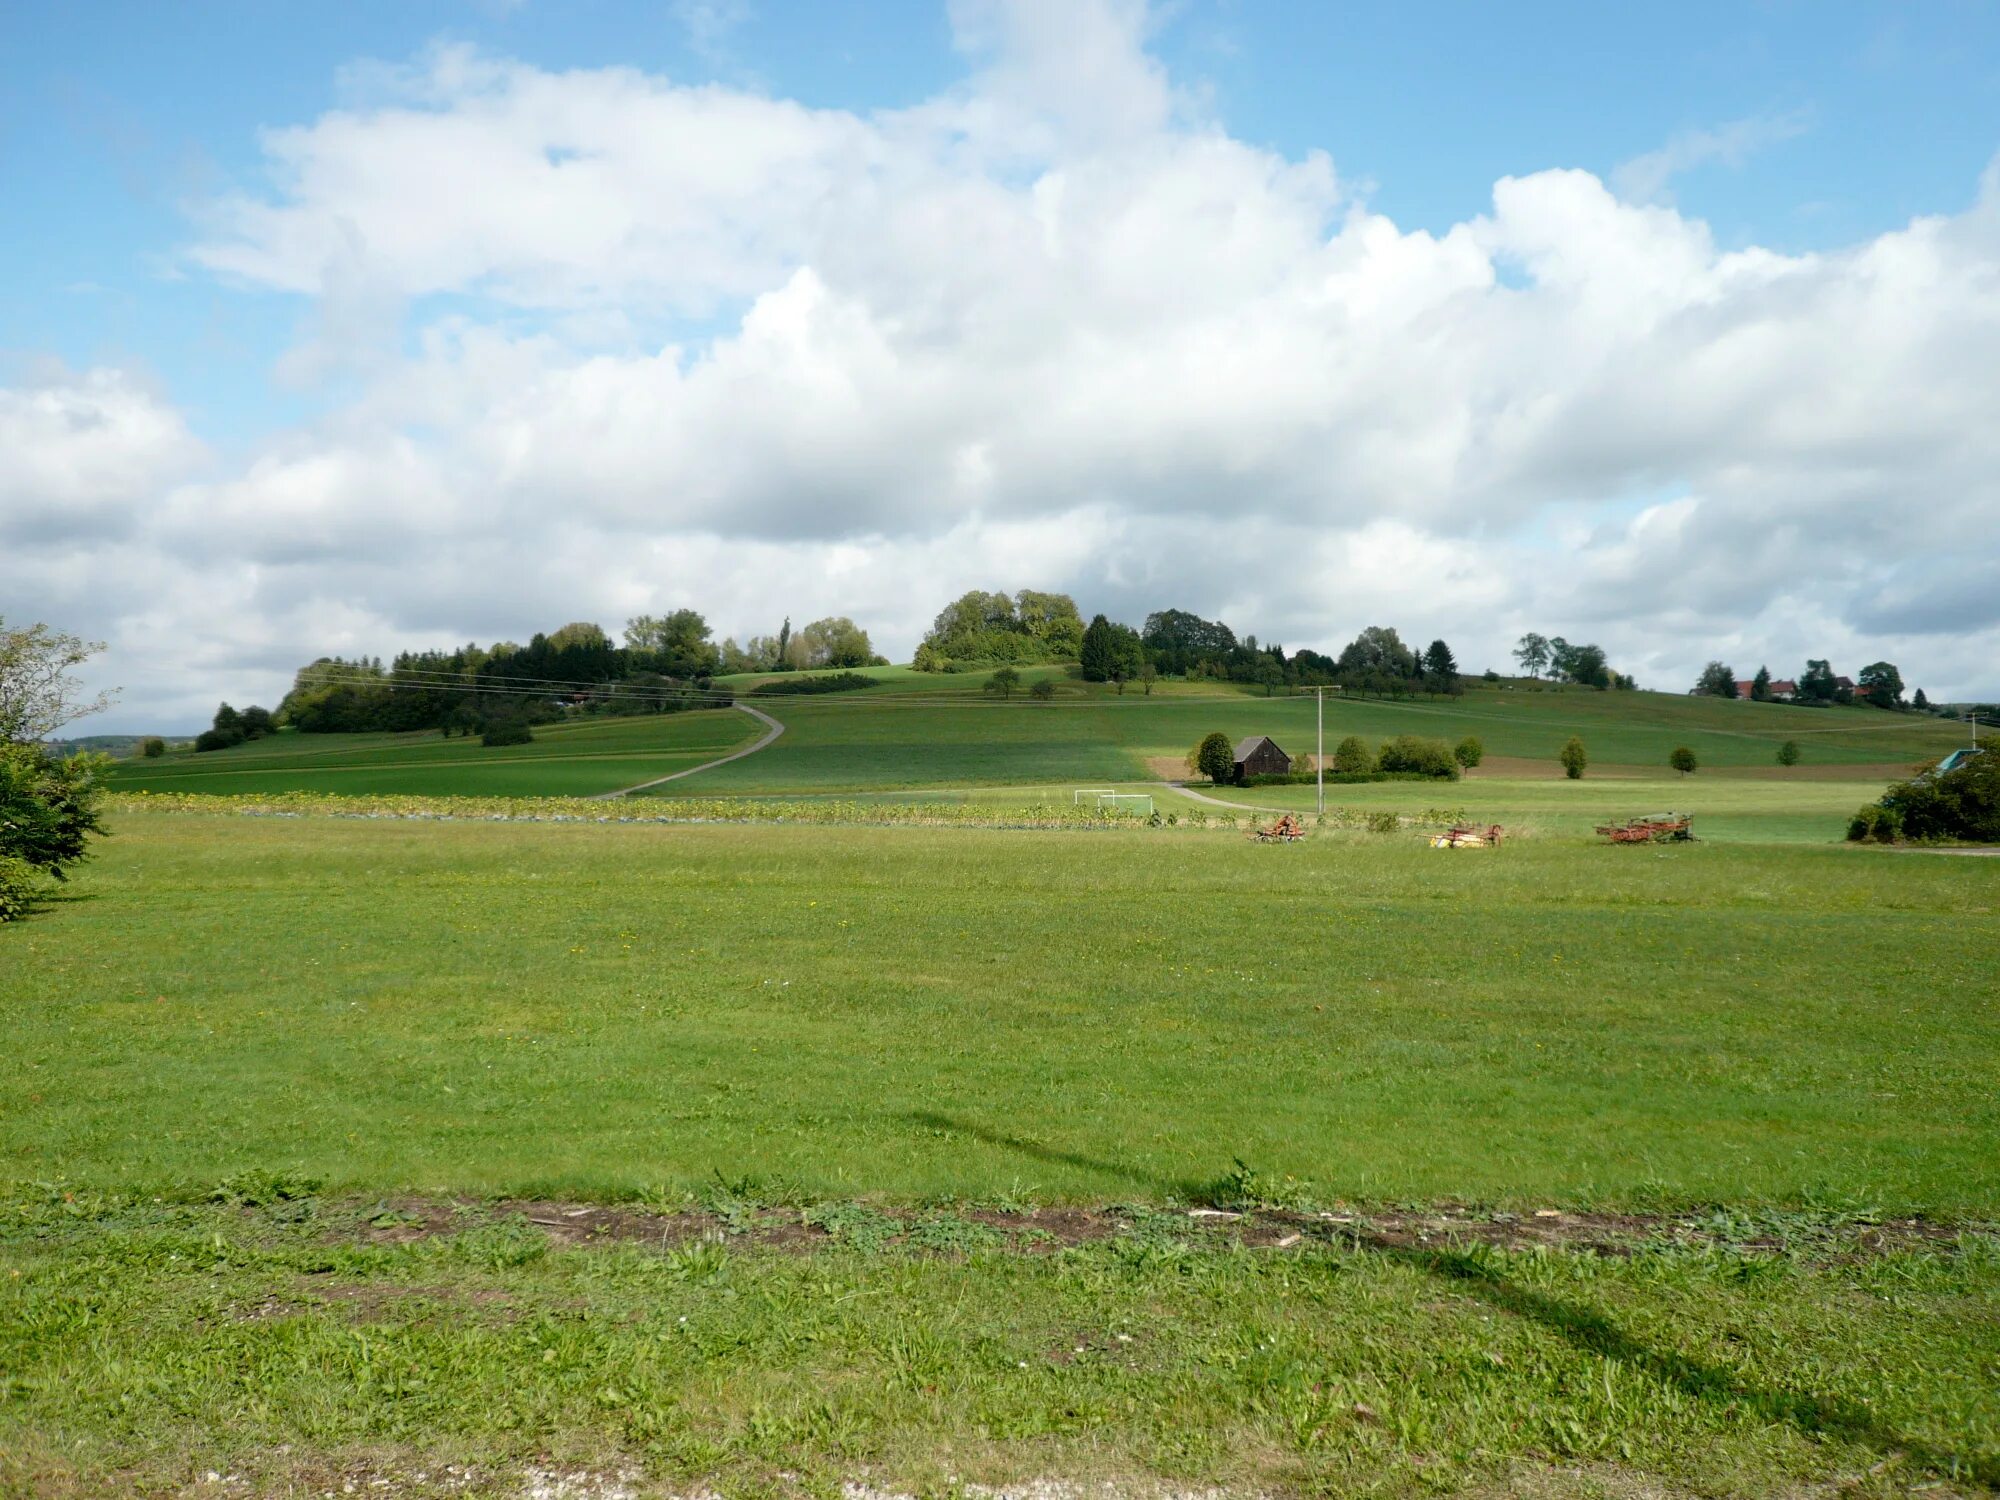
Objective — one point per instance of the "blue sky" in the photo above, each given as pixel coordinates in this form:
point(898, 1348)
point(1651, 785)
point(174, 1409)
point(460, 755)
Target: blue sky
point(165, 280)
point(116, 118)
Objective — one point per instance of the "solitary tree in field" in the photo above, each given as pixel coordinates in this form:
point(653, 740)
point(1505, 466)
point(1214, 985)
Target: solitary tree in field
point(1352, 757)
point(1003, 682)
point(1573, 758)
point(1148, 675)
point(1469, 752)
point(1044, 691)
point(1788, 753)
point(1214, 757)
point(1682, 760)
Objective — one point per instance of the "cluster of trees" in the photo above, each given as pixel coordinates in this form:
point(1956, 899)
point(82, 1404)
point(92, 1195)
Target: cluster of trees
point(48, 803)
point(664, 666)
point(835, 642)
point(1552, 656)
point(979, 628)
point(229, 728)
point(1880, 684)
point(992, 629)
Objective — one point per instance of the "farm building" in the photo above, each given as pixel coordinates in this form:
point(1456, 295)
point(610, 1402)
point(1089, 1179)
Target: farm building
point(1260, 756)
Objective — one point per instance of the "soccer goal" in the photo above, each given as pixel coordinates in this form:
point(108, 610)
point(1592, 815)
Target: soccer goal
point(1129, 802)
point(1076, 797)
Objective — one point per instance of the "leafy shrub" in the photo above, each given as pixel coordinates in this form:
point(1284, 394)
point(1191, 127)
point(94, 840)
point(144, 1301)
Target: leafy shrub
point(48, 807)
point(1214, 757)
point(1383, 822)
point(833, 682)
point(19, 884)
point(1958, 804)
point(507, 732)
point(1682, 759)
point(153, 748)
point(1425, 757)
point(1788, 753)
point(1573, 757)
point(1353, 757)
point(218, 739)
point(1469, 752)
point(1876, 822)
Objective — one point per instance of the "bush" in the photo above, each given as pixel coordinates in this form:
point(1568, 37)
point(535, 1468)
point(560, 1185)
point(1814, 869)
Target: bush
point(1963, 804)
point(1788, 753)
point(19, 882)
point(1875, 822)
point(1352, 757)
point(48, 807)
point(1469, 752)
point(218, 739)
point(153, 748)
point(1573, 758)
point(507, 732)
point(1412, 753)
point(1333, 778)
point(1682, 759)
point(1384, 822)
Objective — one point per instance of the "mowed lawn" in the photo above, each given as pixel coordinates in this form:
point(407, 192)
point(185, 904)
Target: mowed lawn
point(606, 1010)
point(580, 759)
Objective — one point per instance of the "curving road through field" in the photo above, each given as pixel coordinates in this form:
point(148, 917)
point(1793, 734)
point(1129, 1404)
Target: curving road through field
point(772, 731)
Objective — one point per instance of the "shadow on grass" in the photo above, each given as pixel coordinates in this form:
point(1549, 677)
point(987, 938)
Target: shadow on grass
point(1587, 1329)
point(1162, 1187)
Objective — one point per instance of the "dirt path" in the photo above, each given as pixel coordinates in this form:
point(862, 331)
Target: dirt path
point(1217, 801)
point(773, 730)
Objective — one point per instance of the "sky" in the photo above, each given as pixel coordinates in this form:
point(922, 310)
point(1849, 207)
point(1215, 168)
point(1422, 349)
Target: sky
point(401, 323)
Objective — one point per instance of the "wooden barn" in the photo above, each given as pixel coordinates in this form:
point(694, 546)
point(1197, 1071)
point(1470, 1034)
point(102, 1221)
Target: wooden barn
point(1260, 756)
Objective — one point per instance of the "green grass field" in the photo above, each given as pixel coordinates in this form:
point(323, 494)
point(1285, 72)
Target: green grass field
point(930, 731)
point(360, 1037)
point(581, 759)
point(313, 1121)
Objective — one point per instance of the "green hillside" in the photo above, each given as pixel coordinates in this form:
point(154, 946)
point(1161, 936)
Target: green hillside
point(581, 759)
point(926, 731)
point(920, 731)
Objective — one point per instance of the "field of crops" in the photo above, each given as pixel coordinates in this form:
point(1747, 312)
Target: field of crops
point(928, 731)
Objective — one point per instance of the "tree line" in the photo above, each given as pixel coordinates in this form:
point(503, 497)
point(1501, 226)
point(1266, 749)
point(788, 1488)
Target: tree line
point(665, 664)
point(981, 631)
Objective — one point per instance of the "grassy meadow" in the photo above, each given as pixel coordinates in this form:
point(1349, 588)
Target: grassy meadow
point(300, 1108)
point(927, 731)
point(606, 1010)
point(582, 759)
point(351, 1154)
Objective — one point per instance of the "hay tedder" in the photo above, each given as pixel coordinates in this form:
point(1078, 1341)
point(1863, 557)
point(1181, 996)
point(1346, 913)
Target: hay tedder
point(1287, 830)
point(1655, 828)
point(1467, 836)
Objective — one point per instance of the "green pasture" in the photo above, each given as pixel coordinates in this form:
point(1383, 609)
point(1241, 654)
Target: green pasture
point(580, 759)
point(925, 731)
point(612, 1009)
point(928, 730)
point(273, 1080)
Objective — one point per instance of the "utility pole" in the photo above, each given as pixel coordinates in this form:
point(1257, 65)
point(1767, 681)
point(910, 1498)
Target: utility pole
point(1319, 760)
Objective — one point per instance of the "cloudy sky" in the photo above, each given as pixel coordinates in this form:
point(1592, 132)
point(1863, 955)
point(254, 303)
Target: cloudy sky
point(351, 328)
